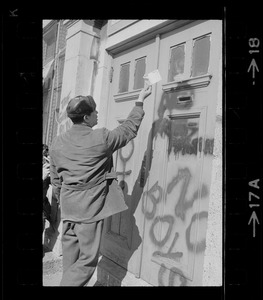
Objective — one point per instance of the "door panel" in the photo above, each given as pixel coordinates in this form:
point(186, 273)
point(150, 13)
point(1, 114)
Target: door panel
point(176, 201)
point(165, 172)
point(123, 232)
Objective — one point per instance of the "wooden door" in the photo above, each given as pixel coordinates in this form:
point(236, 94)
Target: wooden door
point(175, 201)
point(122, 241)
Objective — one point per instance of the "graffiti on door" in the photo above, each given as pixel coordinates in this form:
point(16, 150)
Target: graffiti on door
point(155, 196)
point(183, 137)
point(121, 223)
point(124, 159)
point(184, 204)
point(174, 272)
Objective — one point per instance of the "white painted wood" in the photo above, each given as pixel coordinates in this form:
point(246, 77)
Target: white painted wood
point(152, 204)
point(186, 232)
point(124, 247)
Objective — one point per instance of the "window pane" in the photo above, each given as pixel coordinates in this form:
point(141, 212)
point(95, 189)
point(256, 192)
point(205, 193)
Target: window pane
point(61, 69)
point(124, 78)
point(176, 62)
point(50, 50)
point(200, 59)
point(50, 46)
point(140, 66)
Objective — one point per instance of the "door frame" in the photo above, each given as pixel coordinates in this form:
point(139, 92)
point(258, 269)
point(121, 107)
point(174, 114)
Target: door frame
point(122, 97)
point(122, 47)
point(201, 112)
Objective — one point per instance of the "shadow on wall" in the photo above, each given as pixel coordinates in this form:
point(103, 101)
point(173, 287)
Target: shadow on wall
point(162, 126)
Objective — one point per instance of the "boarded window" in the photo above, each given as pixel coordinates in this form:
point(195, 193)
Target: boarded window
point(62, 36)
point(44, 47)
point(176, 62)
point(61, 69)
point(124, 78)
point(200, 58)
point(50, 49)
point(140, 66)
point(50, 44)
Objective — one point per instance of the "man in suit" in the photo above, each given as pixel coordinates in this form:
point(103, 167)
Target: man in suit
point(82, 176)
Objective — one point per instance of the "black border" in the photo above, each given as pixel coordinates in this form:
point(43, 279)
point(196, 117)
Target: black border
point(22, 153)
point(243, 154)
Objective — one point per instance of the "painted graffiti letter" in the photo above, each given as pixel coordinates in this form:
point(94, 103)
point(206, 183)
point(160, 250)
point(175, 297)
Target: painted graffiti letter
point(154, 199)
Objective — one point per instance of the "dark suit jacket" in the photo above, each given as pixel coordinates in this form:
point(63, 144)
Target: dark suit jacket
point(80, 159)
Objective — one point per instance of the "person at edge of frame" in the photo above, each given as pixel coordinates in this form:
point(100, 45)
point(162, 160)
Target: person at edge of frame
point(82, 176)
point(46, 213)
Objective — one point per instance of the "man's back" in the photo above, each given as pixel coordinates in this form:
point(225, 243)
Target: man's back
point(83, 155)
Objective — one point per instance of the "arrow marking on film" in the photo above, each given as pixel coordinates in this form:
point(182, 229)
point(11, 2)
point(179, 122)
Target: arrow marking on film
point(254, 67)
point(254, 218)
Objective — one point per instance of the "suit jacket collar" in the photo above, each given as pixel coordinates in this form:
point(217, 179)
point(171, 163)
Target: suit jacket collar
point(81, 127)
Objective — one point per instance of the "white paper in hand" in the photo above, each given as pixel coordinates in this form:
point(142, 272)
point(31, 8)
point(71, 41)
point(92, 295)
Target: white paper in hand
point(153, 77)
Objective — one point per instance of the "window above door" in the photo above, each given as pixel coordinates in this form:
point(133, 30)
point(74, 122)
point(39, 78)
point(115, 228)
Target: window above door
point(189, 59)
point(200, 56)
point(131, 75)
point(129, 78)
point(139, 72)
point(189, 64)
point(124, 77)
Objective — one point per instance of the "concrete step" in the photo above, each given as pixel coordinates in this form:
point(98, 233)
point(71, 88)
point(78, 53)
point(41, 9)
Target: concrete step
point(107, 273)
point(51, 263)
point(53, 269)
point(111, 274)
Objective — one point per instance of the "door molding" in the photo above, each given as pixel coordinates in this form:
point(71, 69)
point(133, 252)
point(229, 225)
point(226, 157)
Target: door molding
point(187, 269)
point(186, 84)
point(145, 35)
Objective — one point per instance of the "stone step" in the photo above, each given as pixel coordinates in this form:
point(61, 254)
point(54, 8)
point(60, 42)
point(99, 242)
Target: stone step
point(51, 263)
point(107, 273)
point(111, 274)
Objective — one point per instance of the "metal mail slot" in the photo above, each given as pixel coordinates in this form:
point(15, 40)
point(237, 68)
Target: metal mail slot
point(184, 99)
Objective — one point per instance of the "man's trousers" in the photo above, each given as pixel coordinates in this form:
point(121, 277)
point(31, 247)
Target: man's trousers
point(80, 248)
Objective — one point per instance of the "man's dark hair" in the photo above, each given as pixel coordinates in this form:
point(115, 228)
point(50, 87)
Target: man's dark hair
point(80, 106)
point(77, 119)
